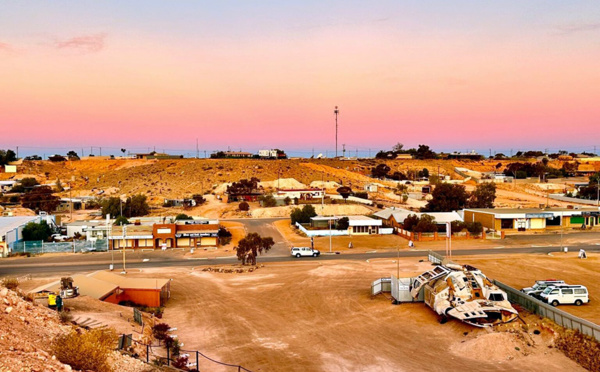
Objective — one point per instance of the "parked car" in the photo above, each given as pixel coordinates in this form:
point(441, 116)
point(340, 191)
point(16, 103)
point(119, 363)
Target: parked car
point(304, 251)
point(562, 294)
point(539, 287)
point(59, 237)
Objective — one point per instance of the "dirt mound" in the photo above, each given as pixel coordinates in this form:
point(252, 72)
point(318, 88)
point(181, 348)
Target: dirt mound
point(497, 346)
point(283, 183)
point(328, 210)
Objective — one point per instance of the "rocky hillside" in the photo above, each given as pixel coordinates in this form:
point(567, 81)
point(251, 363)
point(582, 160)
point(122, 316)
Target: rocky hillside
point(27, 331)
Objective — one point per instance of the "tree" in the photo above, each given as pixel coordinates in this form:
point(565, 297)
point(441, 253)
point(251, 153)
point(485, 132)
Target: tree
point(400, 189)
point(345, 192)
point(123, 151)
point(111, 206)
point(7, 156)
point(410, 222)
point(121, 220)
point(287, 200)
point(595, 178)
point(25, 185)
point(483, 196)
point(251, 246)
point(424, 152)
point(72, 155)
point(424, 173)
point(183, 217)
point(447, 197)
point(224, 236)
point(243, 206)
point(136, 206)
point(380, 171)
point(59, 186)
point(36, 231)
point(426, 224)
point(397, 147)
point(302, 215)
point(199, 199)
point(40, 199)
point(267, 201)
point(343, 223)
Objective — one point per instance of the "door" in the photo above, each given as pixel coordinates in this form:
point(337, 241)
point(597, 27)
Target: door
point(567, 296)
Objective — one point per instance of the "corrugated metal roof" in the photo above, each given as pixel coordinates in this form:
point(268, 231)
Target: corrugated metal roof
point(127, 282)
point(10, 223)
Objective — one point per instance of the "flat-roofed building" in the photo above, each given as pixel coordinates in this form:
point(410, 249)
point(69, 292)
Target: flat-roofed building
point(523, 219)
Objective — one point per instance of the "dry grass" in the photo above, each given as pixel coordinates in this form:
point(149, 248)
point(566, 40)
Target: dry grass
point(10, 283)
point(583, 349)
point(85, 350)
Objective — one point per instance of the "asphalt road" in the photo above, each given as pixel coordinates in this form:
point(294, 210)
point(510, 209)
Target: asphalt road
point(68, 265)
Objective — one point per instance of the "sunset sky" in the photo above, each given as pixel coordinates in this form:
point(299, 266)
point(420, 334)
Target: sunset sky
point(455, 75)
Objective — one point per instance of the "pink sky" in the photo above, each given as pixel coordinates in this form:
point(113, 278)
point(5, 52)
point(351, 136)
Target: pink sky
point(450, 86)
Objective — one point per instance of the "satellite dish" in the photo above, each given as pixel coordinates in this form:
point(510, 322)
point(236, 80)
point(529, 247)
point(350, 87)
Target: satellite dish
point(319, 156)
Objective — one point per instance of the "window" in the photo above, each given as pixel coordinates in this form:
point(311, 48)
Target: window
point(506, 223)
point(496, 297)
point(567, 291)
point(554, 292)
point(580, 291)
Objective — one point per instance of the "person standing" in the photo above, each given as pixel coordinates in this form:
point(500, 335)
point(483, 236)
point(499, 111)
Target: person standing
point(59, 303)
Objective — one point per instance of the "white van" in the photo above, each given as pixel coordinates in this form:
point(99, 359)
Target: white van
point(565, 294)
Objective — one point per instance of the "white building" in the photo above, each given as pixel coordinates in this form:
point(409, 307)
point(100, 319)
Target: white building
point(301, 194)
point(11, 229)
point(267, 153)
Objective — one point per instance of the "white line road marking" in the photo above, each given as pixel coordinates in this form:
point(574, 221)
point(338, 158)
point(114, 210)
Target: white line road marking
point(226, 257)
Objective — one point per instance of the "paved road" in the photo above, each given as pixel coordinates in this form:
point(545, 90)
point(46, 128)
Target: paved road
point(75, 264)
point(264, 227)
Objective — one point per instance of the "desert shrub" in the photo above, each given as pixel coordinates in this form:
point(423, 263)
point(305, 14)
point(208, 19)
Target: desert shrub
point(267, 201)
point(583, 349)
point(180, 362)
point(244, 206)
point(65, 317)
point(10, 283)
point(175, 346)
point(224, 236)
point(475, 227)
point(159, 331)
point(87, 350)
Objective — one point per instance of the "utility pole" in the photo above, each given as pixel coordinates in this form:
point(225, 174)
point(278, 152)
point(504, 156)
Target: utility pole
point(369, 153)
point(490, 153)
point(204, 154)
point(344, 147)
point(197, 153)
point(124, 246)
point(18, 152)
point(336, 112)
point(71, 200)
point(357, 153)
point(100, 151)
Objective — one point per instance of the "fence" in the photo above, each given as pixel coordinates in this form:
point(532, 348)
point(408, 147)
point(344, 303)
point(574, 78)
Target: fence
point(435, 258)
point(126, 341)
point(559, 317)
point(327, 232)
point(40, 246)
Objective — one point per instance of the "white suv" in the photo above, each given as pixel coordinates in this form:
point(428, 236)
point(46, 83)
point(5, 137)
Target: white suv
point(540, 285)
point(304, 251)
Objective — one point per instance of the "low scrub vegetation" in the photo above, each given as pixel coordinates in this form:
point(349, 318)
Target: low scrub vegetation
point(583, 349)
point(10, 283)
point(85, 350)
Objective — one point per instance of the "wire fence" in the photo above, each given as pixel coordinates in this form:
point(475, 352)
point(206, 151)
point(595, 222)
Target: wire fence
point(180, 361)
point(36, 247)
